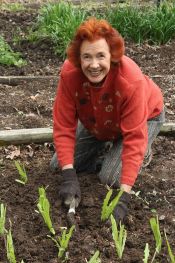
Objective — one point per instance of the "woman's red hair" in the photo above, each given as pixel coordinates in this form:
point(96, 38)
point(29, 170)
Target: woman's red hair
point(91, 30)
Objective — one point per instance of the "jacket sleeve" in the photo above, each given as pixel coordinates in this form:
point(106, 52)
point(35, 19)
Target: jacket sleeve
point(64, 123)
point(134, 114)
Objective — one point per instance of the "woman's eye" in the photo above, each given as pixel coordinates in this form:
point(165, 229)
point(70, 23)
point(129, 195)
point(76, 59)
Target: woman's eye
point(85, 57)
point(101, 55)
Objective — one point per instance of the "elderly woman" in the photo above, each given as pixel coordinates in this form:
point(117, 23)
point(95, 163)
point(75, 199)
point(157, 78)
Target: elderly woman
point(103, 96)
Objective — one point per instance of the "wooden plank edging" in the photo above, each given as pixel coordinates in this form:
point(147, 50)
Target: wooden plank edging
point(16, 80)
point(41, 135)
point(25, 136)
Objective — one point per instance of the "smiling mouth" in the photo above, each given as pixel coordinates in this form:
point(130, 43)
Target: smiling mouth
point(95, 73)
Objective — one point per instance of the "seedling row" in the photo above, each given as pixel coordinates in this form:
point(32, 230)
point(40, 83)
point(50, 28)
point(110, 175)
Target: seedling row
point(118, 231)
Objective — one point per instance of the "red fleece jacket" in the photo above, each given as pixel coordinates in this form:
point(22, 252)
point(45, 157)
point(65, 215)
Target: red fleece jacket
point(122, 105)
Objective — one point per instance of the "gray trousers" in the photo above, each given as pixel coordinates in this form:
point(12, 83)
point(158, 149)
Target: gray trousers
point(88, 151)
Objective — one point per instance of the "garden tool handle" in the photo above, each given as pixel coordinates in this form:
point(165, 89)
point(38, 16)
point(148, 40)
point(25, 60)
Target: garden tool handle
point(72, 206)
point(71, 215)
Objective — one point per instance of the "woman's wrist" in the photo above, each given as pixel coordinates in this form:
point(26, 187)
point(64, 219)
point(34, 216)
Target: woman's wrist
point(126, 188)
point(67, 166)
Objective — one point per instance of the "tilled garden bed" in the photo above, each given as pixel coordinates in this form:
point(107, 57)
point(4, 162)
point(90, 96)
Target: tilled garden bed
point(29, 105)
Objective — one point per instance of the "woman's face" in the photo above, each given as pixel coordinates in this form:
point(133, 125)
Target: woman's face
point(95, 59)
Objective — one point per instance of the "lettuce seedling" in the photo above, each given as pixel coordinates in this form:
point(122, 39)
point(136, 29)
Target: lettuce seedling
point(22, 173)
point(95, 258)
point(119, 236)
point(154, 222)
point(44, 208)
point(146, 253)
point(107, 207)
point(10, 248)
point(2, 219)
point(63, 241)
point(172, 257)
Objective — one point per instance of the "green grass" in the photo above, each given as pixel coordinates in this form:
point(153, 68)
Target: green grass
point(12, 7)
point(8, 56)
point(151, 24)
point(59, 21)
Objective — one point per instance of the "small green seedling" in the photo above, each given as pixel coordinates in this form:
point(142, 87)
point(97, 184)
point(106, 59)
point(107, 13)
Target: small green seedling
point(63, 241)
point(154, 222)
point(95, 258)
point(44, 208)
point(22, 173)
point(172, 257)
point(107, 207)
point(2, 219)
point(10, 248)
point(119, 236)
point(146, 253)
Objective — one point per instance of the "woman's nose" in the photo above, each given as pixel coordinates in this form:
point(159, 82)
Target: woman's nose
point(94, 63)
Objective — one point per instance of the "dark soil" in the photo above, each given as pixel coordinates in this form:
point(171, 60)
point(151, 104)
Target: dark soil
point(29, 105)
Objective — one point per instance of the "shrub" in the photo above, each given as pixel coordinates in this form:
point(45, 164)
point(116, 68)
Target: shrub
point(8, 57)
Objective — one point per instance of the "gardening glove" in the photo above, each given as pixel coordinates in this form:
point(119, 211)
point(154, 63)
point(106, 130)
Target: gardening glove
point(121, 209)
point(70, 188)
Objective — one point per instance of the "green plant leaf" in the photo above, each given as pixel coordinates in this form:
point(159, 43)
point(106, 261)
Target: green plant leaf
point(95, 258)
point(12, 7)
point(10, 248)
point(107, 208)
point(119, 237)
point(172, 257)
point(154, 222)
point(146, 253)
point(44, 208)
point(2, 219)
point(22, 173)
point(62, 241)
point(8, 57)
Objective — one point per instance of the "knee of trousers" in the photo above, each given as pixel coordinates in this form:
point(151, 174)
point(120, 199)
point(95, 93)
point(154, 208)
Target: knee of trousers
point(110, 179)
point(54, 163)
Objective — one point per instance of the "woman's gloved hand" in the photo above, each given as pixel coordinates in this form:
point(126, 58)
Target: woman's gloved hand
point(70, 187)
point(121, 209)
